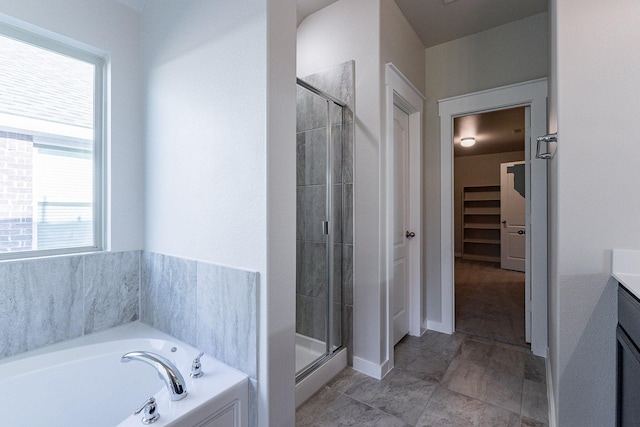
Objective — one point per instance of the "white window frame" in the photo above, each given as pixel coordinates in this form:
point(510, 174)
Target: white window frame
point(67, 48)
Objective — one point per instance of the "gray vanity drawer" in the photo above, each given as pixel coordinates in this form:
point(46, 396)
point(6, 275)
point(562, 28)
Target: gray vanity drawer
point(629, 314)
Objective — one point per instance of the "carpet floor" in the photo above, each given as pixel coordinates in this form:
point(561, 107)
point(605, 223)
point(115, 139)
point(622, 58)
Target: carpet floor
point(490, 301)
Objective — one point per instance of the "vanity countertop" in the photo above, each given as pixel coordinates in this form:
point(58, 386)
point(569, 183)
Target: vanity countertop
point(625, 268)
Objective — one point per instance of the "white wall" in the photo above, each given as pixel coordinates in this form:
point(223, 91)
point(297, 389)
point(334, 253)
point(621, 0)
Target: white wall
point(107, 27)
point(220, 158)
point(205, 70)
point(508, 54)
point(277, 301)
point(595, 172)
point(371, 33)
point(349, 30)
point(400, 44)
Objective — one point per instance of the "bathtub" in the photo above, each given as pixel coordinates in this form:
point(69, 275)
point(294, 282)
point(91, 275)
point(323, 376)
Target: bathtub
point(82, 382)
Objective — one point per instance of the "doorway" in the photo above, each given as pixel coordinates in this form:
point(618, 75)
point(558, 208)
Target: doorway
point(532, 94)
point(489, 224)
point(402, 211)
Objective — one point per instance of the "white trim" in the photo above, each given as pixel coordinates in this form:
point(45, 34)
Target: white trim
point(437, 326)
point(400, 92)
point(533, 94)
point(31, 126)
point(550, 395)
point(321, 376)
point(372, 369)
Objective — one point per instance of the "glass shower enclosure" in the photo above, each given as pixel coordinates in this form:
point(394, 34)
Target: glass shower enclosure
point(319, 249)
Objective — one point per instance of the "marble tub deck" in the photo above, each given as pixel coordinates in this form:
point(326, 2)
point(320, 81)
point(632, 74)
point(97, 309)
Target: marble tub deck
point(439, 380)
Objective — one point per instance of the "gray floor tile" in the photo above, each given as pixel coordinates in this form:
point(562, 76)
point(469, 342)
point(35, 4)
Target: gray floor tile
point(506, 360)
point(476, 351)
point(345, 379)
point(534, 368)
point(398, 394)
point(331, 408)
point(503, 390)
point(447, 408)
point(474, 380)
point(534, 401)
point(465, 377)
point(528, 422)
point(438, 380)
point(435, 342)
point(422, 364)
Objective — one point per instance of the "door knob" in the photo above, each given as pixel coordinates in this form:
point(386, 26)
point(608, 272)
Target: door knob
point(504, 221)
point(410, 234)
point(521, 231)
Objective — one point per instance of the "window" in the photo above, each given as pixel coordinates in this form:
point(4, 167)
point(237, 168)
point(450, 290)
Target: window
point(50, 146)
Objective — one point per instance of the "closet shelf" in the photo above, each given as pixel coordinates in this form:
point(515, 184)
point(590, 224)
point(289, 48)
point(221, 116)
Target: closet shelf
point(481, 223)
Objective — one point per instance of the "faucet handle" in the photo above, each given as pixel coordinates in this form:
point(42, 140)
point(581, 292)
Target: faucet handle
point(196, 367)
point(151, 414)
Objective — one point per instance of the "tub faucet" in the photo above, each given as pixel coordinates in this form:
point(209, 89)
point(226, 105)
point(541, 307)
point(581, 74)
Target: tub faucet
point(166, 371)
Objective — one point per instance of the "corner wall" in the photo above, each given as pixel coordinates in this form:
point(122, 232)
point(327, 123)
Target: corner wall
point(343, 31)
point(368, 32)
point(595, 173)
point(220, 160)
point(512, 53)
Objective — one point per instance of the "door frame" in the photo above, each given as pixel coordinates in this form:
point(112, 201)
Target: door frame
point(532, 94)
point(400, 92)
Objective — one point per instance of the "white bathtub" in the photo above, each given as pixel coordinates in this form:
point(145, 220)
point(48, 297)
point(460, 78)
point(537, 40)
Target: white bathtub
point(82, 382)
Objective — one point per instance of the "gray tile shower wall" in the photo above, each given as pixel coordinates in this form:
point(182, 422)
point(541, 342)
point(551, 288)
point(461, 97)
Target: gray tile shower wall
point(311, 201)
point(45, 301)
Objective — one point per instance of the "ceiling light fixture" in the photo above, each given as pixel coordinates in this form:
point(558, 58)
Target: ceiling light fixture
point(467, 142)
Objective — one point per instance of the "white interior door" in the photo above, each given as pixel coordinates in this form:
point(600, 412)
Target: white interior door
point(401, 234)
point(513, 243)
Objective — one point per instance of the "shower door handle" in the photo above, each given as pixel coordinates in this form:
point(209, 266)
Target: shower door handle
point(410, 234)
point(325, 228)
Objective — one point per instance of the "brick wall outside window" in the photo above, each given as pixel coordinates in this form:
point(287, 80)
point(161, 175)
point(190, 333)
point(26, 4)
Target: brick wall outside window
point(16, 192)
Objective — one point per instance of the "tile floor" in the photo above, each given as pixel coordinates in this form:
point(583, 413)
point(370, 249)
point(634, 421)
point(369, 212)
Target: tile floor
point(439, 380)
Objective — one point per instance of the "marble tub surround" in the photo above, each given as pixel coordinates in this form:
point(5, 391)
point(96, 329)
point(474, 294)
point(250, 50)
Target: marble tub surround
point(168, 295)
point(439, 380)
point(111, 289)
point(211, 307)
point(227, 315)
point(625, 268)
point(49, 300)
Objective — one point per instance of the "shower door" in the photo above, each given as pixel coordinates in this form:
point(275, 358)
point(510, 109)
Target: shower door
point(319, 232)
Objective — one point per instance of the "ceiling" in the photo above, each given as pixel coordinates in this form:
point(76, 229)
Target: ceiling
point(436, 21)
point(440, 21)
point(495, 132)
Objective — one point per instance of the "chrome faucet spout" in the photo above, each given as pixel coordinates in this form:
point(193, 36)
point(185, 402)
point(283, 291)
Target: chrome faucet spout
point(166, 371)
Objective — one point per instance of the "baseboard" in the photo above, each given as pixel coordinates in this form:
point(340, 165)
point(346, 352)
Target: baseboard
point(550, 394)
point(322, 375)
point(438, 327)
point(369, 368)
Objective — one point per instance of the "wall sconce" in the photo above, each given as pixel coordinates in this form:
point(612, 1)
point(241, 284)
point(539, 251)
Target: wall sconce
point(546, 146)
point(467, 142)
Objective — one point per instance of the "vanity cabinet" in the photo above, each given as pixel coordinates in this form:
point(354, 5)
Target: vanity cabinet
point(628, 359)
